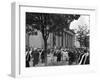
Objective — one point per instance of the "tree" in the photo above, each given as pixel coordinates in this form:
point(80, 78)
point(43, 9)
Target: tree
point(83, 36)
point(49, 23)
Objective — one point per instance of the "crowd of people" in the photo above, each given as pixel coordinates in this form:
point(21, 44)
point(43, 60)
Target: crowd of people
point(57, 55)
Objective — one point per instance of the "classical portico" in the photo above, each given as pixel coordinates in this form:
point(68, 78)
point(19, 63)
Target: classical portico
point(65, 41)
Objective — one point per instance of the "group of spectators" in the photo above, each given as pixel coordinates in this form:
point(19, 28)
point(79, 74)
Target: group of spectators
point(72, 56)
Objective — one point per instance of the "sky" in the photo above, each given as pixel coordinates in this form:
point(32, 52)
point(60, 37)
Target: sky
point(83, 20)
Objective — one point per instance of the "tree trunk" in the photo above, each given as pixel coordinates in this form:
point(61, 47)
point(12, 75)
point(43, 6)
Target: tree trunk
point(53, 41)
point(45, 49)
point(62, 39)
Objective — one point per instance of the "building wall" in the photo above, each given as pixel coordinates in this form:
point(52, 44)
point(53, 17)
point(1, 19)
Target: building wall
point(65, 41)
point(36, 41)
point(27, 40)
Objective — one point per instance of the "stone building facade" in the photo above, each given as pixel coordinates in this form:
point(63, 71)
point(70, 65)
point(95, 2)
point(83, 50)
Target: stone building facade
point(65, 41)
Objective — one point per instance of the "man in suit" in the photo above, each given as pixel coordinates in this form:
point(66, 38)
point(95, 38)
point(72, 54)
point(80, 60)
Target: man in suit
point(59, 55)
point(35, 55)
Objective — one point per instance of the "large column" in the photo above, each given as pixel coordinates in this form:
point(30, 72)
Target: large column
point(69, 41)
point(56, 41)
point(60, 41)
point(66, 40)
point(73, 40)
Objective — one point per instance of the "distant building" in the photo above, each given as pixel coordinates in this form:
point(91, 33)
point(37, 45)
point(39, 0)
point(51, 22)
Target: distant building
point(65, 41)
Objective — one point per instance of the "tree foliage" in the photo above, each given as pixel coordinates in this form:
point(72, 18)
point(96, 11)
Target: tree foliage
point(83, 35)
point(48, 23)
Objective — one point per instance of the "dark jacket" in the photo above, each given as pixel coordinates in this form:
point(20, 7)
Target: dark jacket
point(35, 56)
